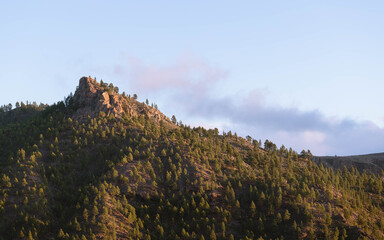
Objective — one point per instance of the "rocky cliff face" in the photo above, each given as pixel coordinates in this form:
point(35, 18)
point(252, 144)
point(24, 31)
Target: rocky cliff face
point(91, 98)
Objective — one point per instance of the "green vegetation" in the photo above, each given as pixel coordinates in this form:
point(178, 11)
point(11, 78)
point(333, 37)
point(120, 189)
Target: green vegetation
point(137, 178)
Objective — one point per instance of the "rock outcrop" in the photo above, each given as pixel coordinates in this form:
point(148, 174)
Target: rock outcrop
point(91, 98)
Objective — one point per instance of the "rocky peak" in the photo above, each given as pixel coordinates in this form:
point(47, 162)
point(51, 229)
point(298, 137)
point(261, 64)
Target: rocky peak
point(87, 85)
point(86, 92)
point(92, 98)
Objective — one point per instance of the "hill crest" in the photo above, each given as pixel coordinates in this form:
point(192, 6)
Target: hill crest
point(92, 97)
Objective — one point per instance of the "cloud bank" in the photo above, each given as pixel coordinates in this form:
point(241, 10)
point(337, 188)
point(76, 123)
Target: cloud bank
point(191, 86)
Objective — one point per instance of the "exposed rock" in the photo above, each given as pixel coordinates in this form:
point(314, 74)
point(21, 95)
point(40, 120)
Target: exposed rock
point(91, 98)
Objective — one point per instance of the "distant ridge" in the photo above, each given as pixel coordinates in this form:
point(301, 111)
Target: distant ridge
point(370, 162)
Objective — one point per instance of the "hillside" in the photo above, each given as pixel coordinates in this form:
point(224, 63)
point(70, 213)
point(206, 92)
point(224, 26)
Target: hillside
point(101, 165)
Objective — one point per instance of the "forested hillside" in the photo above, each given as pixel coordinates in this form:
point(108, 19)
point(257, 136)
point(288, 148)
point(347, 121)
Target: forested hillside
point(101, 165)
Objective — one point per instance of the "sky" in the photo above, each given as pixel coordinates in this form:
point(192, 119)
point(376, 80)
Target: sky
point(303, 74)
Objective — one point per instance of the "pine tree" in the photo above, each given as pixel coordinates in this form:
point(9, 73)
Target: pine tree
point(212, 235)
point(252, 209)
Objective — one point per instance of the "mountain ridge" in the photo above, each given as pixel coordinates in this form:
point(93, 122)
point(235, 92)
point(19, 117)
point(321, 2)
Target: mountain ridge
point(85, 168)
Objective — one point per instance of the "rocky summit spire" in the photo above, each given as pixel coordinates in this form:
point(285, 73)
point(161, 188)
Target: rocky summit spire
point(87, 92)
point(91, 98)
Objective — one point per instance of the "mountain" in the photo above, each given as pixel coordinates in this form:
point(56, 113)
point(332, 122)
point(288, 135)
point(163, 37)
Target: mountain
point(101, 165)
point(370, 162)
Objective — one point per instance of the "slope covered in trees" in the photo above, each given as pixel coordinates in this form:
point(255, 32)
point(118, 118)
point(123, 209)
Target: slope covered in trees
point(132, 175)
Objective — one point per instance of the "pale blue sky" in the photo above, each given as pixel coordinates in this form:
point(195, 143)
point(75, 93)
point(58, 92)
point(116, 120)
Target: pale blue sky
point(306, 74)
